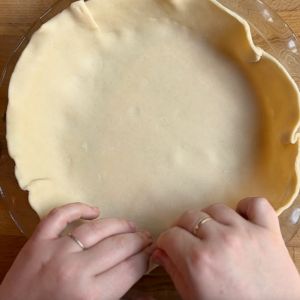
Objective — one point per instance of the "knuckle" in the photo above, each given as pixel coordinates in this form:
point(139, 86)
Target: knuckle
point(189, 212)
point(200, 257)
point(127, 224)
point(67, 275)
point(78, 206)
point(86, 232)
point(56, 213)
point(63, 274)
point(231, 239)
point(122, 223)
point(216, 206)
point(65, 271)
point(187, 215)
point(254, 234)
point(195, 255)
point(73, 204)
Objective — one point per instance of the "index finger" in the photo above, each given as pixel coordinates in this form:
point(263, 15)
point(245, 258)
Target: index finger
point(57, 220)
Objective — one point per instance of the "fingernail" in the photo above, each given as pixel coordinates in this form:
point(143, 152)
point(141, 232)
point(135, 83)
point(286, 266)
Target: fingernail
point(132, 225)
point(95, 208)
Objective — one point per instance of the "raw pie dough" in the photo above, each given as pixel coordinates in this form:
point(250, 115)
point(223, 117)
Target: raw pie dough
point(149, 107)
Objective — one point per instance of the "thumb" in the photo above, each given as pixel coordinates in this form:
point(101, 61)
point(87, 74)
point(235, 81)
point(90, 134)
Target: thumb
point(260, 212)
point(159, 257)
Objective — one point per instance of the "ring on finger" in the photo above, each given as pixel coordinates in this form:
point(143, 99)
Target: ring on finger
point(200, 222)
point(77, 241)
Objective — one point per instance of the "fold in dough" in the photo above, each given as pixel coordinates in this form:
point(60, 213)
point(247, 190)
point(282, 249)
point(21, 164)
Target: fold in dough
point(147, 108)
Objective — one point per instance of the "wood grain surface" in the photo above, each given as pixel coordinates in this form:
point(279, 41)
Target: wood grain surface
point(15, 18)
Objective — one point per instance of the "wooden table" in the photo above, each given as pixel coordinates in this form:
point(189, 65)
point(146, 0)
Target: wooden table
point(15, 19)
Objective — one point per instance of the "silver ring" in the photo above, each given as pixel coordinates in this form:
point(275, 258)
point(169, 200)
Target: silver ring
point(200, 222)
point(70, 235)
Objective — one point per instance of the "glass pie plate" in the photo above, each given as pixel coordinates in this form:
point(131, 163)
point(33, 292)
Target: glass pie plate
point(269, 31)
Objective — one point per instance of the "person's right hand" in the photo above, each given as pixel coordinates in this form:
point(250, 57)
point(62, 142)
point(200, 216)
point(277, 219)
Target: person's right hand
point(235, 255)
point(55, 267)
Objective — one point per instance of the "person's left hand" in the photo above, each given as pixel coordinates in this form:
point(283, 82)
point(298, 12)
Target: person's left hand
point(55, 267)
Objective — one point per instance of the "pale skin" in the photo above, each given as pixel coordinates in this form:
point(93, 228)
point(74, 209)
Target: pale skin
point(237, 254)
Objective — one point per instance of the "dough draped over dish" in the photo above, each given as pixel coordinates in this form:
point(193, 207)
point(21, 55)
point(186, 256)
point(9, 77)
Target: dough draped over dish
point(147, 108)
